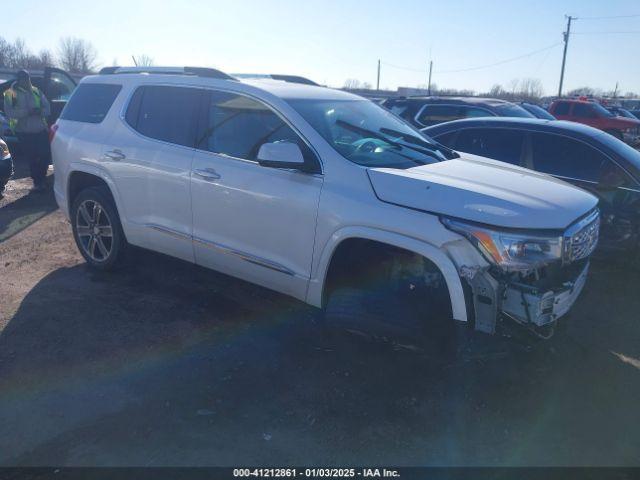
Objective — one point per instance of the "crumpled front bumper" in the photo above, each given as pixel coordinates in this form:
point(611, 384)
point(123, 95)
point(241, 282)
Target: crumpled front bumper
point(528, 305)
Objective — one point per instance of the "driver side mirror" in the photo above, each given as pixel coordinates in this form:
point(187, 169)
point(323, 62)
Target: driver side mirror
point(281, 155)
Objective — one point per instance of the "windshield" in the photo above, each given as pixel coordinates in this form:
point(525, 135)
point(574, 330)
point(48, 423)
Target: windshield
point(369, 135)
point(538, 111)
point(601, 110)
point(510, 110)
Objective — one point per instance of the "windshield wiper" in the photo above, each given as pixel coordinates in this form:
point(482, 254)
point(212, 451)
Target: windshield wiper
point(384, 138)
point(435, 147)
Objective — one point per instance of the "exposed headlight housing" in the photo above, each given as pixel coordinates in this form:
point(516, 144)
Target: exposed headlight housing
point(511, 251)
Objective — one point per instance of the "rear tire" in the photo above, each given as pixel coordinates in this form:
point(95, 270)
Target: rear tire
point(97, 229)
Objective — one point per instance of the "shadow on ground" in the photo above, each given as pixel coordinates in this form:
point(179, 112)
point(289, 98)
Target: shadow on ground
point(168, 364)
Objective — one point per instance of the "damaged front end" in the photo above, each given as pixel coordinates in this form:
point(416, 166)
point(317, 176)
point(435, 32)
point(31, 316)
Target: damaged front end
point(531, 278)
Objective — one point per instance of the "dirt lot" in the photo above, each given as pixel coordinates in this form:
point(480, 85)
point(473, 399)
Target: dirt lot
point(167, 364)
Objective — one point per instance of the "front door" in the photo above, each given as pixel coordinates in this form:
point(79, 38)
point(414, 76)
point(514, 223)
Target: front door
point(253, 222)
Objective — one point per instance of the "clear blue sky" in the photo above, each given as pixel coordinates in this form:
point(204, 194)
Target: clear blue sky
point(330, 40)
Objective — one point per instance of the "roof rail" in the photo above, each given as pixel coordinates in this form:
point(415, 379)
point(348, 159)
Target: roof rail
point(195, 71)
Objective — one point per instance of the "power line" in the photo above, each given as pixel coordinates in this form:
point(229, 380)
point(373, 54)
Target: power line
point(606, 32)
point(513, 59)
point(611, 17)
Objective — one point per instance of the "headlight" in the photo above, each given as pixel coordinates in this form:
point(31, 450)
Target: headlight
point(510, 251)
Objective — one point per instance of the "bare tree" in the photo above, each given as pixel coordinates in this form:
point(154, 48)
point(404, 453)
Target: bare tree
point(77, 55)
point(351, 83)
point(144, 60)
point(530, 89)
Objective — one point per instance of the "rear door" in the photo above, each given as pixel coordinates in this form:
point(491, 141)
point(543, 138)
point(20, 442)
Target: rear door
point(148, 154)
point(253, 222)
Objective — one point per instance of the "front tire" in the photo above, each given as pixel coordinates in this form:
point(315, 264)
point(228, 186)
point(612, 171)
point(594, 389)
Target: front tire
point(97, 229)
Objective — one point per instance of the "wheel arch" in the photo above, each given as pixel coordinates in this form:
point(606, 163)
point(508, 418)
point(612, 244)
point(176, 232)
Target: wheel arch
point(318, 284)
point(83, 176)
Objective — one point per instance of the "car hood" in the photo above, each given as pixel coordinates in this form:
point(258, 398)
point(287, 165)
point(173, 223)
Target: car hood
point(484, 191)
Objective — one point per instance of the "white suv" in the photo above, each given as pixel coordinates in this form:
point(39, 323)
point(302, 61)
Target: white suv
point(318, 194)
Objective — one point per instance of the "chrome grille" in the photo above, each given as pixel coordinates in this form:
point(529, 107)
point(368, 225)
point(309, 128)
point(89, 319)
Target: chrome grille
point(582, 238)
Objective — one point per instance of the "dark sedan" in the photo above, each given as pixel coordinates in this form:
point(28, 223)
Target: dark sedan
point(576, 153)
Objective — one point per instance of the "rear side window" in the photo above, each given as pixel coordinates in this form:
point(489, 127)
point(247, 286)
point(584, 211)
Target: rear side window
point(562, 108)
point(497, 143)
point(164, 113)
point(90, 102)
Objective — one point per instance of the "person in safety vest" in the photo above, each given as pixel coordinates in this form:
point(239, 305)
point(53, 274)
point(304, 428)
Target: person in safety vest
point(27, 109)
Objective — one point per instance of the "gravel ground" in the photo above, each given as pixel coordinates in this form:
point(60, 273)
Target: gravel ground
point(165, 363)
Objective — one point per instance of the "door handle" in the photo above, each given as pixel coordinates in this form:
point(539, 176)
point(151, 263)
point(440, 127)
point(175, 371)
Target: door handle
point(115, 155)
point(207, 173)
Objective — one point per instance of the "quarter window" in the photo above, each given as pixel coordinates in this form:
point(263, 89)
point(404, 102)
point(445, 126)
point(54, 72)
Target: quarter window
point(165, 113)
point(565, 157)
point(497, 143)
point(238, 126)
point(90, 102)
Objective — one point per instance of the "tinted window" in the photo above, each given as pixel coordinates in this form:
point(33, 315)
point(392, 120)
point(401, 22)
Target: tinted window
point(511, 110)
point(239, 125)
point(562, 108)
point(583, 110)
point(472, 112)
point(165, 113)
point(432, 114)
point(448, 139)
point(90, 102)
point(566, 157)
point(497, 143)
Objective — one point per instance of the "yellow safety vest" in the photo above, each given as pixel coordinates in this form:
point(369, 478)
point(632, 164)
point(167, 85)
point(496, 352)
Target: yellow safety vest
point(11, 95)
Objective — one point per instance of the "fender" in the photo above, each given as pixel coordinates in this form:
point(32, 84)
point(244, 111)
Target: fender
point(430, 252)
point(101, 173)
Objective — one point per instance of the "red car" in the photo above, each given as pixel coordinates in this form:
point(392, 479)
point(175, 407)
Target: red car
point(594, 115)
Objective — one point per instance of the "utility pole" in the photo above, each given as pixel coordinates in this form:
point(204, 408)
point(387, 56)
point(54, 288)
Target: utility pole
point(134, 60)
point(429, 84)
point(615, 92)
point(564, 55)
point(378, 82)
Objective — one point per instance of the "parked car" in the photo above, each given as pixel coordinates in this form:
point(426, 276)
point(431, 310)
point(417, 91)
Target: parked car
point(6, 133)
point(425, 111)
point(575, 153)
point(595, 115)
point(6, 166)
point(537, 111)
point(621, 112)
point(318, 194)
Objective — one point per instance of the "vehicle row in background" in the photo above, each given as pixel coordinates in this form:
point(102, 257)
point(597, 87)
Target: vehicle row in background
point(579, 154)
point(427, 111)
point(592, 113)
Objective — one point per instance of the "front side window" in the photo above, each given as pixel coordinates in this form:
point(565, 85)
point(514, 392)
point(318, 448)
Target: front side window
point(90, 102)
point(511, 110)
point(238, 126)
point(165, 113)
point(433, 114)
point(367, 134)
point(473, 112)
point(583, 110)
point(566, 157)
point(497, 143)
